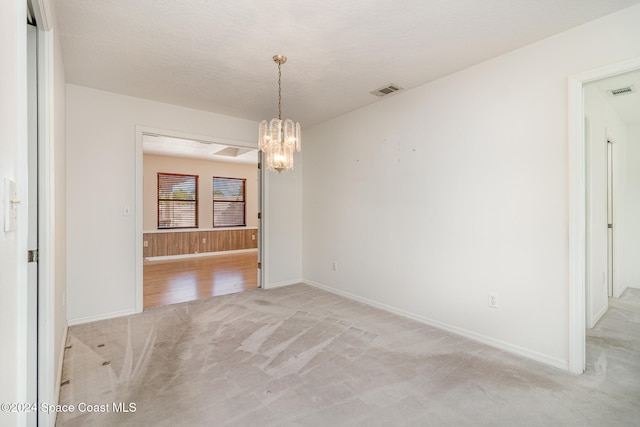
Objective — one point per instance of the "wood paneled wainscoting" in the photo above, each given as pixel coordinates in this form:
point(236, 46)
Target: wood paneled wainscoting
point(213, 271)
point(171, 242)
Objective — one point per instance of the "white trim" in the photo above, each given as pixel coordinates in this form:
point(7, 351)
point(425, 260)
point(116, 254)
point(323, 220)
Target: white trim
point(103, 316)
point(58, 379)
point(20, 234)
point(48, 387)
point(285, 283)
point(577, 207)
point(194, 230)
point(261, 227)
point(41, 14)
point(577, 232)
point(502, 345)
point(200, 138)
point(624, 290)
point(200, 254)
point(263, 235)
point(139, 215)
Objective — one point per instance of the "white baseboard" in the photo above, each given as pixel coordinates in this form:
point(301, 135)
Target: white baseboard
point(511, 348)
point(200, 254)
point(596, 318)
point(619, 294)
point(285, 283)
point(104, 316)
point(56, 393)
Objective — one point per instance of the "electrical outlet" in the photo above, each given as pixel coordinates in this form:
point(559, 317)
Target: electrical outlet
point(335, 266)
point(493, 300)
point(204, 240)
point(145, 244)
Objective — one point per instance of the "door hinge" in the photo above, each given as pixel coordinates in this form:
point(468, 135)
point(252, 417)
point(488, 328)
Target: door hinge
point(259, 165)
point(33, 255)
point(259, 265)
point(259, 215)
point(609, 225)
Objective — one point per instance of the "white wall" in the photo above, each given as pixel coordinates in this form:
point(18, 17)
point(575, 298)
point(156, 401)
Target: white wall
point(603, 125)
point(628, 267)
point(101, 176)
point(283, 230)
point(431, 199)
point(13, 166)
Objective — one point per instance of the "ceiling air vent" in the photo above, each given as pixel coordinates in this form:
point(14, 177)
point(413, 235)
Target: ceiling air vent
point(386, 90)
point(622, 90)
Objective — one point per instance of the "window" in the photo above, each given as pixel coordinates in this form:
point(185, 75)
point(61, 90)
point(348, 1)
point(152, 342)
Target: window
point(228, 202)
point(177, 201)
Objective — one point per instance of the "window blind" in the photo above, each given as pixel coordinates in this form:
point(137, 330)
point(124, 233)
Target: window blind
point(229, 207)
point(177, 201)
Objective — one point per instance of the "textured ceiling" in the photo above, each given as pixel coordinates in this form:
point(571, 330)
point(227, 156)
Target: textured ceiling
point(216, 55)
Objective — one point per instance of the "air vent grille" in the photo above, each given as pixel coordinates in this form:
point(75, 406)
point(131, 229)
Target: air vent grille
point(622, 90)
point(386, 90)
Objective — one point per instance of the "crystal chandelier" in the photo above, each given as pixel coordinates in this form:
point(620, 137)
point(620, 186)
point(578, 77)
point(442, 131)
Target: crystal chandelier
point(279, 138)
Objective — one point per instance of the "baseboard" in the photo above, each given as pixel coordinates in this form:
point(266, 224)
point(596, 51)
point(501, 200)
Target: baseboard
point(285, 283)
point(596, 318)
point(56, 392)
point(619, 294)
point(201, 254)
point(511, 348)
point(89, 319)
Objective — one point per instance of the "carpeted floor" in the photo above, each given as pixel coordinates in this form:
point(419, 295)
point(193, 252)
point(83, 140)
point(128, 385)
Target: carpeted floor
point(299, 356)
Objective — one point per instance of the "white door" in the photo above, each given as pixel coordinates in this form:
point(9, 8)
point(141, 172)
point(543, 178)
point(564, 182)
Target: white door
point(610, 224)
point(260, 233)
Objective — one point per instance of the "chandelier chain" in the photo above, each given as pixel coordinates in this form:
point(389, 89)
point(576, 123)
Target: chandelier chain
point(279, 92)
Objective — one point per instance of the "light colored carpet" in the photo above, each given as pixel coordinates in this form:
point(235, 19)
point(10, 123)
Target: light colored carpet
point(300, 356)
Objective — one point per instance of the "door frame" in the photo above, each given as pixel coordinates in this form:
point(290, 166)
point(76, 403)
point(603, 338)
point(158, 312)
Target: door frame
point(48, 376)
point(577, 206)
point(139, 200)
point(611, 211)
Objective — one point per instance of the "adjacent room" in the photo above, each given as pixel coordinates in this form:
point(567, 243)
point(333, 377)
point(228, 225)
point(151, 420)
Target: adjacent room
point(200, 219)
point(320, 213)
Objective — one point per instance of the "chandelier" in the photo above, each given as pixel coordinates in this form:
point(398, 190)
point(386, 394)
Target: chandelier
point(279, 138)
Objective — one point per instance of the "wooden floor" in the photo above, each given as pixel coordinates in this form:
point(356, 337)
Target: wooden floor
point(173, 281)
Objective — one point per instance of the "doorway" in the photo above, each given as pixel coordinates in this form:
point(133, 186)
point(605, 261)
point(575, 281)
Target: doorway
point(589, 282)
point(200, 222)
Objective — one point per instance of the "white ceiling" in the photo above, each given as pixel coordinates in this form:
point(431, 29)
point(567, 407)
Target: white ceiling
point(179, 147)
point(216, 55)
